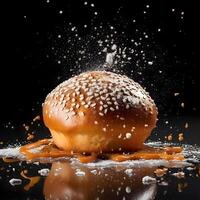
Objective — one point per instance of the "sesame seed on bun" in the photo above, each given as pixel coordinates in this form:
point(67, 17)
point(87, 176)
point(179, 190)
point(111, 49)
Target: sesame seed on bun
point(99, 111)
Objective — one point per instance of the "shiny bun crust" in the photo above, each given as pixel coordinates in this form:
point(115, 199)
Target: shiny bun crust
point(99, 111)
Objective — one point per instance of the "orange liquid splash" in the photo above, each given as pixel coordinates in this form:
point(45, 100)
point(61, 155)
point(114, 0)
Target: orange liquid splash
point(148, 153)
point(33, 180)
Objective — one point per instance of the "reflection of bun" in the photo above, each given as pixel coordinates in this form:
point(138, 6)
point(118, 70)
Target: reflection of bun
point(99, 111)
point(66, 181)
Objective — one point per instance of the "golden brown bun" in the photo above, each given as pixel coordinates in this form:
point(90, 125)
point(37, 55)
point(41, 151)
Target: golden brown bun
point(99, 111)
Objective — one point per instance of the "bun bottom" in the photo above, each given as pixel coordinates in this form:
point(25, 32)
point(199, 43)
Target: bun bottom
point(99, 142)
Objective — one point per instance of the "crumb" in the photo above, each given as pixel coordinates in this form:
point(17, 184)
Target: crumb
point(128, 189)
point(15, 181)
point(160, 172)
point(176, 94)
point(43, 172)
point(30, 136)
point(169, 137)
point(180, 137)
point(186, 125)
point(94, 172)
point(147, 180)
point(190, 168)
point(179, 175)
point(36, 118)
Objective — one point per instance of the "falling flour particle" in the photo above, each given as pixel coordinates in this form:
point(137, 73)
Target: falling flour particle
point(111, 56)
point(186, 125)
point(147, 180)
point(176, 94)
point(114, 47)
point(44, 172)
point(182, 105)
point(150, 62)
point(73, 28)
point(15, 181)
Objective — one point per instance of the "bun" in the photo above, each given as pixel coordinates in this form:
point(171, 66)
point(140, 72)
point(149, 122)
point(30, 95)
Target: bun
point(99, 111)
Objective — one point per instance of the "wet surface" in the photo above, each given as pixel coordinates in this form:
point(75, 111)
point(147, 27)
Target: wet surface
point(69, 179)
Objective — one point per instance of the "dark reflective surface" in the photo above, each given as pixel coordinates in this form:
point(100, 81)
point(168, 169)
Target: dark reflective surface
point(75, 181)
point(72, 182)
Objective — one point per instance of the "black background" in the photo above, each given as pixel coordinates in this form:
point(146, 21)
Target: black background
point(29, 69)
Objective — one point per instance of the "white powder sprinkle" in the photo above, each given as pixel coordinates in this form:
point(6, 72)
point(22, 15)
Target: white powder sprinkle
point(15, 181)
point(44, 172)
point(147, 180)
point(129, 172)
point(150, 62)
point(94, 172)
point(128, 189)
point(80, 173)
